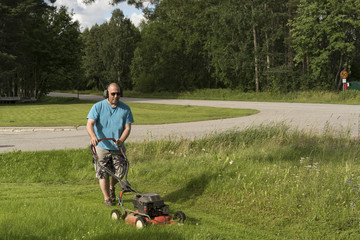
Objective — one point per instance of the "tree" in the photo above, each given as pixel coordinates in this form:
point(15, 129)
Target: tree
point(249, 45)
point(230, 45)
point(66, 51)
point(325, 35)
point(246, 45)
point(177, 59)
point(8, 38)
point(40, 47)
point(136, 3)
point(117, 48)
point(92, 63)
point(16, 17)
point(108, 52)
point(159, 60)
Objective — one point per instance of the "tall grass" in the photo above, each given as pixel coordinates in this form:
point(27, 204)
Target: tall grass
point(265, 182)
point(315, 96)
point(344, 97)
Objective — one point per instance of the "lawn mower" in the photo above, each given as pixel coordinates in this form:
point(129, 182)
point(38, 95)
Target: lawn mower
point(150, 207)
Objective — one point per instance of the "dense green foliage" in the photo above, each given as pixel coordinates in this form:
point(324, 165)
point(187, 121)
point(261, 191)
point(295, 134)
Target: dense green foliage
point(108, 51)
point(265, 182)
point(247, 45)
point(212, 44)
point(40, 48)
point(257, 45)
point(325, 39)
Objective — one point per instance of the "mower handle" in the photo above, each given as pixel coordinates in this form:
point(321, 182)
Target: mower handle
point(125, 185)
point(93, 150)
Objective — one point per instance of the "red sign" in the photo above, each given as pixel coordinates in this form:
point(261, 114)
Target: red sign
point(344, 74)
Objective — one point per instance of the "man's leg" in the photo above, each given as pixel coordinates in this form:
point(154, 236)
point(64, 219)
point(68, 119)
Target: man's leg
point(113, 181)
point(104, 186)
point(104, 157)
point(118, 163)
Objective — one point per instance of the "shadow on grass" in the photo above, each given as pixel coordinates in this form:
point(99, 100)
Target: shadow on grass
point(193, 189)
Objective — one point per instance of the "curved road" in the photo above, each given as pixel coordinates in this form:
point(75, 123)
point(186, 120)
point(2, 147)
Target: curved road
point(305, 116)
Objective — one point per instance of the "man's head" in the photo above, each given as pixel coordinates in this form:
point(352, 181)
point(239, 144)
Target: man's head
point(113, 93)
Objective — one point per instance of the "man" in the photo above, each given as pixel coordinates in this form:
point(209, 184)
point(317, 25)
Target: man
point(109, 118)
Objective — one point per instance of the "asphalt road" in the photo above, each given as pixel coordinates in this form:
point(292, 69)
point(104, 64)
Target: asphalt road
point(304, 116)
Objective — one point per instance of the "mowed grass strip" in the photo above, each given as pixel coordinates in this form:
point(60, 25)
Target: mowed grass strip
point(47, 115)
point(75, 211)
point(43, 115)
point(160, 113)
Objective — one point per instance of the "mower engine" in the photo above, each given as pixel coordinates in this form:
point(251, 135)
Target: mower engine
point(151, 204)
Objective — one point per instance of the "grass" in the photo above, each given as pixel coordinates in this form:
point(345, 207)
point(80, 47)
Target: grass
point(265, 182)
point(315, 96)
point(73, 112)
point(347, 97)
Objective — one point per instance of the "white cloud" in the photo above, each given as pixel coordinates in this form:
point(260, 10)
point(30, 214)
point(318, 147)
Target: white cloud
point(136, 18)
point(99, 12)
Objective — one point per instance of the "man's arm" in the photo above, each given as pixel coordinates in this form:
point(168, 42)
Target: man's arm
point(124, 135)
point(91, 132)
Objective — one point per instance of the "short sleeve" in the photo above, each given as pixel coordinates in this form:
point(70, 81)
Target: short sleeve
point(129, 117)
point(94, 113)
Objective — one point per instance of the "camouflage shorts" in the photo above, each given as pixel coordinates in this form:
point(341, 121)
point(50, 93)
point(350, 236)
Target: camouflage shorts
point(113, 160)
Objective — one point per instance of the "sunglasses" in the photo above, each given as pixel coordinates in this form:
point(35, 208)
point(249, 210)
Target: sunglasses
point(115, 93)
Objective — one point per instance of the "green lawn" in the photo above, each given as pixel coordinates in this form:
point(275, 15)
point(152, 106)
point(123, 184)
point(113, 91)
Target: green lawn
point(261, 183)
point(74, 114)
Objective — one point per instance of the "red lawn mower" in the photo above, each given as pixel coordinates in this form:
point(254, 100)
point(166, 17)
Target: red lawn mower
point(150, 207)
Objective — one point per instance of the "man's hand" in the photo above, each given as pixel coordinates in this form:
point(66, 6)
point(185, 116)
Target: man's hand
point(118, 142)
point(94, 141)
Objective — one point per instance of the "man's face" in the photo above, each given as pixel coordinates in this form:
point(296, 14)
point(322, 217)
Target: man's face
point(114, 94)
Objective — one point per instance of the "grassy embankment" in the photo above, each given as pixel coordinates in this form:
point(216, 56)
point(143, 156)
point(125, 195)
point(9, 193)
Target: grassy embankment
point(261, 183)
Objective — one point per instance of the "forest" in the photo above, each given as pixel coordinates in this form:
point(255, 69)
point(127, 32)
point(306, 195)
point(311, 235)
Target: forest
point(184, 45)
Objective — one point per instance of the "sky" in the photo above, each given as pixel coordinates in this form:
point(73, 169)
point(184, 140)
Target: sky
point(98, 12)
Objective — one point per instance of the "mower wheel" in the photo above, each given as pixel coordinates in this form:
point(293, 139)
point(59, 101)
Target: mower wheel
point(115, 214)
point(140, 222)
point(180, 216)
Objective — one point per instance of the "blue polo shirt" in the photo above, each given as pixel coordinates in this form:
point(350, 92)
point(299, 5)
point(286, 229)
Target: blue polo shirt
point(110, 122)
